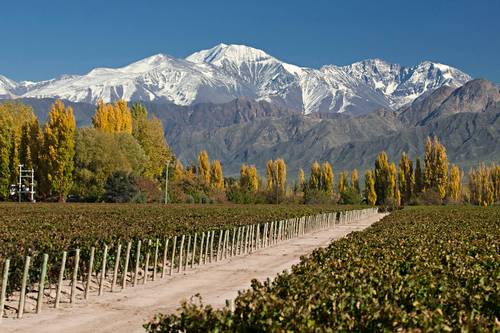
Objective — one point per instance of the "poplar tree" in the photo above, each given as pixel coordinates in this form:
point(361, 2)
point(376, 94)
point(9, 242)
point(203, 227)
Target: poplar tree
point(204, 167)
point(269, 175)
point(392, 185)
point(327, 178)
point(370, 194)
point(406, 178)
point(216, 177)
point(249, 178)
point(343, 185)
point(436, 167)
point(59, 149)
point(455, 183)
point(355, 181)
point(150, 135)
point(113, 118)
point(419, 178)
point(302, 179)
point(381, 175)
point(315, 177)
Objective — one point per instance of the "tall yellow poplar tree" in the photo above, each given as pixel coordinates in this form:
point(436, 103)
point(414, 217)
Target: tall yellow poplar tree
point(455, 184)
point(204, 167)
point(301, 179)
point(216, 177)
point(343, 183)
point(315, 177)
point(370, 194)
point(406, 178)
point(381, 174)
point(327, 178)
point(59, 149)
point(436, 167)
point(355, 181)
point(113, 118)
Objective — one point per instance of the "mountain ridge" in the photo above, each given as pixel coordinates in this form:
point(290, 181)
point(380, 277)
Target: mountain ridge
point(226, 72)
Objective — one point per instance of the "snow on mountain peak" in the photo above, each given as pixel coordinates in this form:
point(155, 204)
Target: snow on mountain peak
point(234, 53)
point(228, 71)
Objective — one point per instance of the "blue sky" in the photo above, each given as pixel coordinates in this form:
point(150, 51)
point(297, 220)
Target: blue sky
point(43, 39)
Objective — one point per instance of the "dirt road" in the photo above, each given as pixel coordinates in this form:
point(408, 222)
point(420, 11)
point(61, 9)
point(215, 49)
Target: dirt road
point(128, 310)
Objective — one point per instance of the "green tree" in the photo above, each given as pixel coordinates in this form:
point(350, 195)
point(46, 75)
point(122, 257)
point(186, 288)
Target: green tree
point(150, 135)
point(382, 174)
point(98, 155)
point(59, 149)
point(419, 178)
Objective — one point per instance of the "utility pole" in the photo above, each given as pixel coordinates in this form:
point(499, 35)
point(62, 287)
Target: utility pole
point(166, 182)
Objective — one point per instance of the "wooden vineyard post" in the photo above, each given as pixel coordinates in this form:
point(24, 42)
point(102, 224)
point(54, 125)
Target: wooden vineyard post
point(232, 241)
point(201, 249)
point(194, 249)
point(125, 268)
point(165, 255)
point(218, 246)
point(237, 250)
point(89, 273)
point(211, 246)
point(180, 253)
point(187, 253)
point(206, 248)
point(117, 265)
point(172, 261)
point(22, 297)
point(41, 284)
point(5, 279)
point(103, 270)
point(137, 262)
point(75, 276)
point(146, 264)
point(60, 280)
point(156, 259)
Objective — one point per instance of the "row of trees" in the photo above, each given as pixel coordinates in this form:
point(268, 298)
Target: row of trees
point(80, 162)
point(126, 148)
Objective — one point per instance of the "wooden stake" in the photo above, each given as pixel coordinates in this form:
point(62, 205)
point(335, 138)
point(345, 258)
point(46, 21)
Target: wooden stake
point(201, 249)
point(5, 280)
point(172, 262)
point(165, 254)
point(194, 250)
point(156, 259)
point(146, 265)
point(187, 252)
point(41, 284)
point(117, 265)
point(180, 253)
point(103, 270)
point(89, 273)
point(22, 297)
point(125, 268)
point(212, 246)
point(59, 282)
point(137, 263)
point(75, 276)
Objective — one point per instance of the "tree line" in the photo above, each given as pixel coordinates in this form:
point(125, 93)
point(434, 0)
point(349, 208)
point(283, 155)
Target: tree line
point(122, 157)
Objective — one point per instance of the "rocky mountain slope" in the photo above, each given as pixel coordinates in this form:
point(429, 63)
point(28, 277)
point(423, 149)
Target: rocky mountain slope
point(227, 72)
point(466, 119)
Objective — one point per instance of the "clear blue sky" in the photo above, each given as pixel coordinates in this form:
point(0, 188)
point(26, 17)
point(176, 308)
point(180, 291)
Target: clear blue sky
point(43, 39)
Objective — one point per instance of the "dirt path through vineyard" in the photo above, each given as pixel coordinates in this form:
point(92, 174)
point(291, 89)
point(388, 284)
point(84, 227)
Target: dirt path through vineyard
point(128, 310)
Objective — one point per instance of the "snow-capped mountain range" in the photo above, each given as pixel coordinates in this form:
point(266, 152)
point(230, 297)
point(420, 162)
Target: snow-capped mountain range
point(226, 72)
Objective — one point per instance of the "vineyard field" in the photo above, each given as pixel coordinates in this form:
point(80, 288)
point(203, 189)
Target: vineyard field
point(421, 268)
